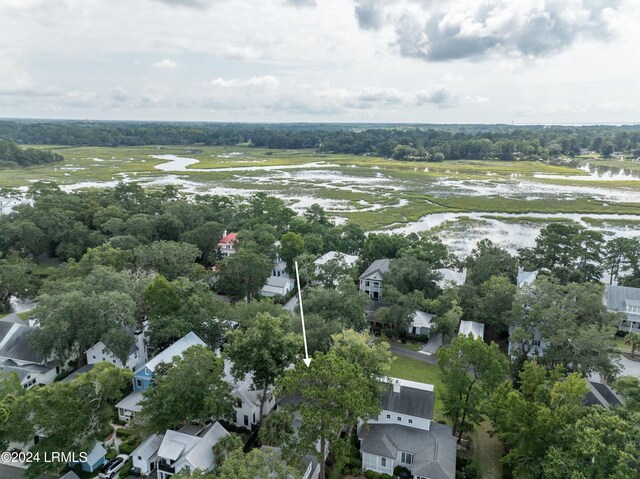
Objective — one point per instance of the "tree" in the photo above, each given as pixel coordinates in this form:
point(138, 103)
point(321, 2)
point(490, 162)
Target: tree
point(17, 278)
point(621, 253)
point(243, 274)
point(277, 428)
point(633, 340)
point(68, 417)
point(319, 331)
point(330, 390)
point(428, 248)
point(264, 349)
point(345, 305)
point(487, 260)
point(629, 388)
point(333, 272)
point(604, 445)
point(494, 302)
point(470, 370)
point(191, 389)
point(573, 322)
point(408, 275)
point(447, 324)
point(291, 246)
point(256, 464)
point(226, 445)
point(169, 258)
point(398, 315)
point(532, 418)
point(316, 214)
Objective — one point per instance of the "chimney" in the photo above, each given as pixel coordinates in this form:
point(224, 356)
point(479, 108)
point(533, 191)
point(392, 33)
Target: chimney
point(224, 234)
point(396, 386)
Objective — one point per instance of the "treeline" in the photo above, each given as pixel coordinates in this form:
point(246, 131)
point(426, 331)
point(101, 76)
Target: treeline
point(12, 156)
point(405, 142)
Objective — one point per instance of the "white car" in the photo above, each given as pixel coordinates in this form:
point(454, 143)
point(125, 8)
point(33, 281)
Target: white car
point(111, 468)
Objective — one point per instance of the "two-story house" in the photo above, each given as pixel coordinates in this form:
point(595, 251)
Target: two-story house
point(279, 283)
point(100, 352)
point(346, 261)
point(372, 278)
point(18, 357)
point(625, 300)
point(189, 449)
point(227, 243)
point(247, 400)
point(405, 434)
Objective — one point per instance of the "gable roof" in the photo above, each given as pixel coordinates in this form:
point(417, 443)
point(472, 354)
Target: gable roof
point(602, 395)
point(525, 277)
point(617, 297)
point(131, 402)
point(471, 327)
point(70, 475)
point(243, 388)
point(97, 453)
point(228, 238)
point(176, 349)
point(410, 398)
point(14, 342)
point(378, 266)
point(348, 259)
point(450, 276)
point(149, 447)
point(197, 450)
point(422, 319)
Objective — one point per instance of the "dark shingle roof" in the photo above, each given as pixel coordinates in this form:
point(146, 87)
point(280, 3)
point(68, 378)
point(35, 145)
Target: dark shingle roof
point(379, 265)
point(15, 345)
point(409, 401)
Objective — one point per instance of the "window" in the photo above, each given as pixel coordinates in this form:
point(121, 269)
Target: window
point(139, 458)
point(238, 402)
point(139, 383)
point(375, 283)
point(410, 421)
point(366, 283)
point(388, 416)
point(535, 342)
point(246, 420)
point(406, 458)
point(632, 308)
point(383, 462)
point(399, 418)
point(94, 356)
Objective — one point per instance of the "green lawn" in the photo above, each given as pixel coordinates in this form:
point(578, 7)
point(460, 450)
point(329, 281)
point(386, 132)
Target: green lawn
point(618, 343)
point(414, 346)
point(414, 370)
point(487, 452)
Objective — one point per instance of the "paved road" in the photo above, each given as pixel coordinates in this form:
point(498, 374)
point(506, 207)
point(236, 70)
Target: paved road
point(412, 354)
point(10, 472)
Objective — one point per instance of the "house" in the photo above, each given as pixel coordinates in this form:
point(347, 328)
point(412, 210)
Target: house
point(95, 459)
point(601, 395)
point(372, 278)
point(227, 243)
point(525, 277)
point(17, 356)
point(310, 463)
point(129, 406)
point(536, 345)
point(625, 300)
point(346, 261)
point(70, 475)
point(473, 328)
point(279, 283)
point(137, 355)
point(190, 448)
point(450, 278)
point(78, 372)
point(404, 434)
point(144, 457)
point(143, 377)
point(247, 405)
point(420, 324)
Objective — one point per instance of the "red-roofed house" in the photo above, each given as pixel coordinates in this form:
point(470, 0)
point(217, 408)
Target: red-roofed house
point(227, 244)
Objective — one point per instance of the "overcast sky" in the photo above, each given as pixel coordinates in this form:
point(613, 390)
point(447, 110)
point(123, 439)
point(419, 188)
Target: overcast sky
point(427, 61)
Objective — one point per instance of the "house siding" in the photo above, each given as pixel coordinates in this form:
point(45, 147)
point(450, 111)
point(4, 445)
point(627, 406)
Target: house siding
point(371, 462)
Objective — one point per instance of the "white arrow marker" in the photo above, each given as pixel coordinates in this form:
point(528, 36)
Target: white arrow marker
point(307, 359)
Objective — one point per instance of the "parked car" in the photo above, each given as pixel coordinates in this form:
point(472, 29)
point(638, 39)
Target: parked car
point(111, 468)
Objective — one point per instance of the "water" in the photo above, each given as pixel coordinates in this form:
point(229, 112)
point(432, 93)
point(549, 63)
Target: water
point(180, 163)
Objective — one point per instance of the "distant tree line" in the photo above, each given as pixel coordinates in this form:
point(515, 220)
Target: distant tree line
point(11, 155)
point(405, 142)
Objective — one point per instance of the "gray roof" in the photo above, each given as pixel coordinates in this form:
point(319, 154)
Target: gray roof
point(472, 327)
point(410, 401)
point(450, 276)
point(197, 450)
point(77, 372)
point(434, 450)
point(149, 447)
point(347, 259)
point(600, 394)
point(14, 343)
point(616, 297)
point(96, 453)
point(9, 366)
point(131, 402)
point(176, 349)
point(526, 277)
point(378, 266)
point(70, 475)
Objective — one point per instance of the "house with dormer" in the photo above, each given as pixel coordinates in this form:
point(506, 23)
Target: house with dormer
point(137, 357)
point(624, 300)
point(405, 434)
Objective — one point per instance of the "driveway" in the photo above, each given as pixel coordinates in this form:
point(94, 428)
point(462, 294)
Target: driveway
point(425, 358)
point(629, 368)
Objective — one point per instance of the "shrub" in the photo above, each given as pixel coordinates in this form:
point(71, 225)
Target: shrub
point(123, 433)
point(126, 469)
point(384, 475)
point(399, 470)
point(111, 453)
point(126, 448)
point(372, 475)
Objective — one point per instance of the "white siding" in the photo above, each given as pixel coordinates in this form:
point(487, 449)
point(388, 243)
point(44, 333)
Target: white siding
point(372, 462)
point(416, 422)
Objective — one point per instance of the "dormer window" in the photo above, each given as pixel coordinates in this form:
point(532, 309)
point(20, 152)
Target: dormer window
point(633, 308)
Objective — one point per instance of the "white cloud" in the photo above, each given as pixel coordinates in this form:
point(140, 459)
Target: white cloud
point(166, 63)
point(265, 81)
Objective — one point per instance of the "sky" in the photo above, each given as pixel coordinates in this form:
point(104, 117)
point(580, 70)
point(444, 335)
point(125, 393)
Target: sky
point(408, 61)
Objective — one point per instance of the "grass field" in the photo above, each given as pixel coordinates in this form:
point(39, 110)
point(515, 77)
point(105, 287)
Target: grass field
point(488, 452)
point(373, 192)
point(414, 370)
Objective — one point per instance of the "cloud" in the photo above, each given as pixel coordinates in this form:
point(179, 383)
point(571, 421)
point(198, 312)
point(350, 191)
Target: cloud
point(239, 53)
point(456, 29)
point(186, 3)
point(370, 14)
point(166, 63)
point(301, 3)
point(382, 95)
point(265, 81)
point(438, 95)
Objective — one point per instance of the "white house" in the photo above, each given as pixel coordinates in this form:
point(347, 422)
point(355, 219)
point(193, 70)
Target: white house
point(372, 278)
point(525, 277)
point(129, 406)
point(100, 352)
point(450, 278)
point(421, 323)
point(144, 457)
point(17, 356)
point(346, 261)
point(279, 282)
point(190, 448)
point(227, 243)
point(247, 400)
point(404, 434)
point(473, 328)
point(625, 300)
